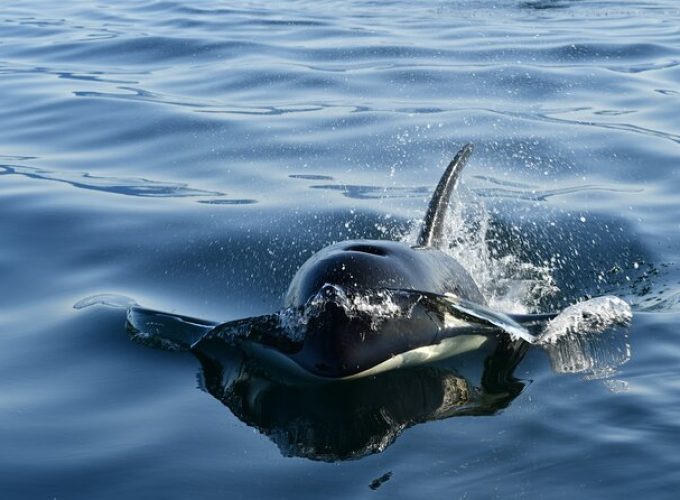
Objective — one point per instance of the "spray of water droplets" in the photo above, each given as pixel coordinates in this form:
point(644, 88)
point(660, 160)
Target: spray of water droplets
point(372, 305)
point(508, 283)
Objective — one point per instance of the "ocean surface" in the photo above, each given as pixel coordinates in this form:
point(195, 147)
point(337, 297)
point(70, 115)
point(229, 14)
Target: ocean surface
point(191, 155)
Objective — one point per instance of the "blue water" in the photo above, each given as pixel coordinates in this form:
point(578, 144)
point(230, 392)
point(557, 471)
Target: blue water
point(192, 155)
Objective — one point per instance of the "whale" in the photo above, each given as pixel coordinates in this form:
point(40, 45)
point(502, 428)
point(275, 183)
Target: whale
point(360, 307)
point(376, 336)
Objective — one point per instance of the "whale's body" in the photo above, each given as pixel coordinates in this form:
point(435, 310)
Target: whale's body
point(341, 345)
point(363, 307)
point(360, 307)
point(378, 264)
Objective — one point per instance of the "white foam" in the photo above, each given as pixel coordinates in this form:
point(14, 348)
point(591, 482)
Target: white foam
point(584, 338)
point(588, 317)
point(373, 305)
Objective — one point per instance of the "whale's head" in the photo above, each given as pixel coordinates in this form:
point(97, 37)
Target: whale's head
point(342, 332)
point(377, 264)
point(358, 304)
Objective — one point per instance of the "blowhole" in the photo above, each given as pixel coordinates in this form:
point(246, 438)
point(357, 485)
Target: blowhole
point(366, 249)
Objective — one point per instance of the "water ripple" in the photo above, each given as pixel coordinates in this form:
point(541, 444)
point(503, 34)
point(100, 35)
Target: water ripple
point(128, 186)
point(529, 193)
point(307, 108)
point(359, 192)
point(549, 117)
point(10, 68)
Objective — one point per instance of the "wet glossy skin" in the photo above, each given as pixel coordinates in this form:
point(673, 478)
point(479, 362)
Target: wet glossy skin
point(370, 264)
point(338, 346)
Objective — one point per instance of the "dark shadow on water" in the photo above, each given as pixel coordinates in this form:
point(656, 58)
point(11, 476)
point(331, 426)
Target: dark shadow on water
point(590, 254)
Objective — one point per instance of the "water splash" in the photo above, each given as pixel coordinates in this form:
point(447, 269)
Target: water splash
point(590, 338)
point(507, 282)
point(591, 316)
point(372, 305)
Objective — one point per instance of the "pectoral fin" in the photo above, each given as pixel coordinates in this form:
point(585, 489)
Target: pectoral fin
point(478, 314)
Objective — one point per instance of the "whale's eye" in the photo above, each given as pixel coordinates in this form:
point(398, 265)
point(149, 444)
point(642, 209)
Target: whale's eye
point(366, 249)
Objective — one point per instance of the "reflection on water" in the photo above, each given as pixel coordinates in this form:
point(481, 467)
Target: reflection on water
point(350, 419)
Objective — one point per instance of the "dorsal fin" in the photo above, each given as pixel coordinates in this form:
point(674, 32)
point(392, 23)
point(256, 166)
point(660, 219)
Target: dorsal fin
point(433, 225)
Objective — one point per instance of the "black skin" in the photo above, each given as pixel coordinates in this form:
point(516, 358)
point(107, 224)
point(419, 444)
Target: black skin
point(373, 264)
point(338, 346)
